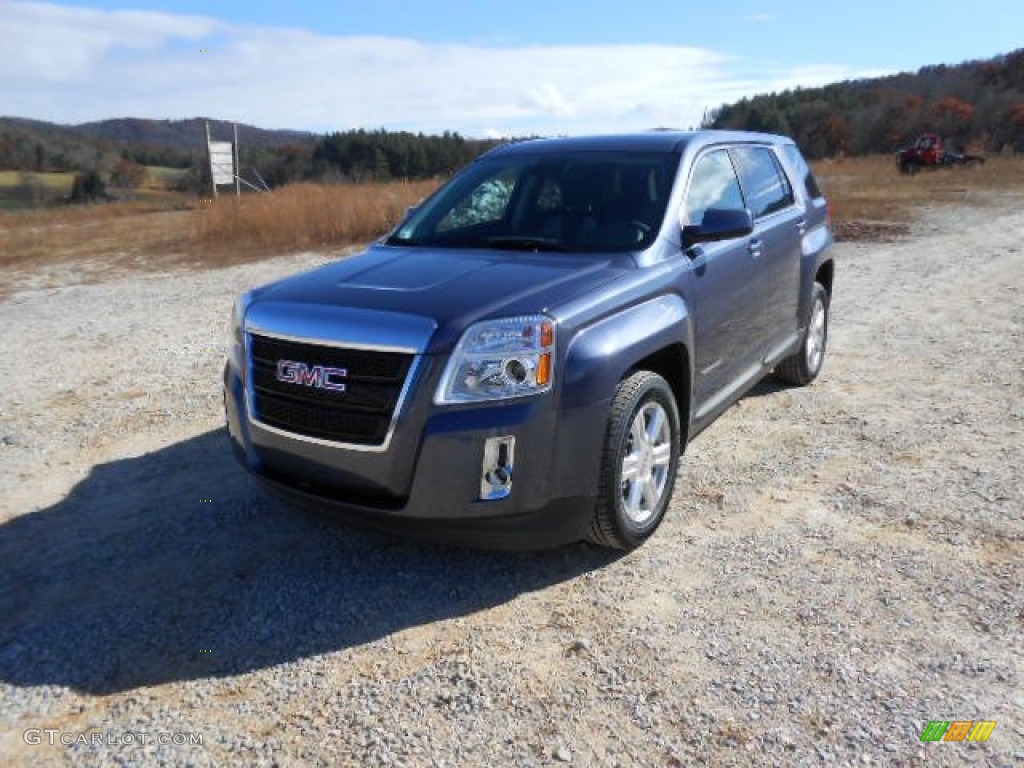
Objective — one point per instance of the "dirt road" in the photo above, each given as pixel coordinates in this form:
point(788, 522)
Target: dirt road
point(842, 564)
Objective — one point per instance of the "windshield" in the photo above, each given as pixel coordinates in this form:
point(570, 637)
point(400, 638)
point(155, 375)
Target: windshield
point(572, 201)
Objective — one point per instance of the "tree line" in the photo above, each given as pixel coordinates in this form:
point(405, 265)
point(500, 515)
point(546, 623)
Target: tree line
point(975, 105)
point(358, 156)
point(348, 156)
point(354, 156)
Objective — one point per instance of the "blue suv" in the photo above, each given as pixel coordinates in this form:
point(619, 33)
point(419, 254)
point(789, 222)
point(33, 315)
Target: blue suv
point(522, 361)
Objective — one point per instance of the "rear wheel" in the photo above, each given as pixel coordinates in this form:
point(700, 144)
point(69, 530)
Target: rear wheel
point(803, 366)
point(639, 464)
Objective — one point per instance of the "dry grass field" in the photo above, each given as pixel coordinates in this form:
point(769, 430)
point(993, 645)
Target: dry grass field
point(303, 216)
point(871, 201)
point(157, 232)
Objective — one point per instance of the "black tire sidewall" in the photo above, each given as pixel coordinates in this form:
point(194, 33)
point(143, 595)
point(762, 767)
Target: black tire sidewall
point(656, 389)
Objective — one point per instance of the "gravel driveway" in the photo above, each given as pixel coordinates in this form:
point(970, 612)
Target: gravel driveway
point(842, 564)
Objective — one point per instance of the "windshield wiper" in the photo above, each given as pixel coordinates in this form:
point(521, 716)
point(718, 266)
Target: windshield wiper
point(436, 242)
point(523, 243)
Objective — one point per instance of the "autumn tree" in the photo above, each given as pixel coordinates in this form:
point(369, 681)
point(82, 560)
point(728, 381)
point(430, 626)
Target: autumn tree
point(952, 118)
point(128, 174)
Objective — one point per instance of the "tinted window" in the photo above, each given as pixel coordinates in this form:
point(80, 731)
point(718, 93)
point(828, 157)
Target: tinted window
point(764, 184)
point(803, 171)
point(712, 185)
point(576, 200)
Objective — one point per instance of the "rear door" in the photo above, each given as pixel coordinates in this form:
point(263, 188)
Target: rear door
point(774, 249)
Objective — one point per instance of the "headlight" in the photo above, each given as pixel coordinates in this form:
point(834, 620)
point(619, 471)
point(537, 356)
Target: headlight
point(236, 344)
point(497, 359)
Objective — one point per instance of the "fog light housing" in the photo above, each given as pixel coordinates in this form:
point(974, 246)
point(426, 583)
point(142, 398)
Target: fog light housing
point(496, 469)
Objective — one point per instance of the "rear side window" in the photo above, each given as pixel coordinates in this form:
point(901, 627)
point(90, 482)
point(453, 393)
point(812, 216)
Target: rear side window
point(765, 185)
point(796, 159)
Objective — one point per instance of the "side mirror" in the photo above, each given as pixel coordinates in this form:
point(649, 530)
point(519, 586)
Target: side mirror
point(719, 224)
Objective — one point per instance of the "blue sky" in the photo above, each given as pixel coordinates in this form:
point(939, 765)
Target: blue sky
point(482, 68)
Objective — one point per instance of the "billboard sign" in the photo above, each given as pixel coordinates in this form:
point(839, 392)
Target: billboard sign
point(222, 162)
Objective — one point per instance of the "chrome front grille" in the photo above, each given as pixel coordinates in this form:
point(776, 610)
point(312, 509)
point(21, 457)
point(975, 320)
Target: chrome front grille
point(360, 414)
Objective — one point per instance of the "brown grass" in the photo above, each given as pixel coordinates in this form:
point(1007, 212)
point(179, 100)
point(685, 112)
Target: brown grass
point(303, 216)
point(167, 230)
point(67, 233)
point(871, 200)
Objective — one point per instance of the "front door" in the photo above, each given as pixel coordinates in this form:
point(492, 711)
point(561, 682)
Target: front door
point(724, 284)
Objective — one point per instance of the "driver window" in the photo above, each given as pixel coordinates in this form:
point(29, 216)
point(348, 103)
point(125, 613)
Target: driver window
point(712, 185)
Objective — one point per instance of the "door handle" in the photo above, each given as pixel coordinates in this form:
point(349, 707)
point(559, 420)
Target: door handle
point(754, 247)
point(801, 226)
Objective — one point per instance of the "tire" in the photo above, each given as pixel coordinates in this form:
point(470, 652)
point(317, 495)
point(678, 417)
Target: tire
point(639, 462)
point(803, 366)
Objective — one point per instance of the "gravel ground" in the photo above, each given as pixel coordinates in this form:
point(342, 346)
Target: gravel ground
point(841, 565)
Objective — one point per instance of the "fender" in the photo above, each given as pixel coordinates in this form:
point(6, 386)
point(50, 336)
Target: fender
point(814, 246)
point(599, 355)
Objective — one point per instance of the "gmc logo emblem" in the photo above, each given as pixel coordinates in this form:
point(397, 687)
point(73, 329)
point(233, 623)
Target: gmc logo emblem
point(319, 376)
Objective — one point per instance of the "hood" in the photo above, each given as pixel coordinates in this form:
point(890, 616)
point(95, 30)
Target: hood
point(447, 289)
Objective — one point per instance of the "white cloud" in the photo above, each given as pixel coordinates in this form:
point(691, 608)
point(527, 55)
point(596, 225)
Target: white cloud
point(47, 44)
point(547, 98)
point(73, 65)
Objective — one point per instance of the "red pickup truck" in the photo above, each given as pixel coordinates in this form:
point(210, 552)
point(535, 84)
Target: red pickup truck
point(927, 152)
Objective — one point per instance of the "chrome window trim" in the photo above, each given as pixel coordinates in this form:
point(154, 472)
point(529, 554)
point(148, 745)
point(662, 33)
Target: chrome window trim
point(250, 414)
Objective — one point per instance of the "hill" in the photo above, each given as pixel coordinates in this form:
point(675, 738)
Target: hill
point(36, 145)
point(978, 104)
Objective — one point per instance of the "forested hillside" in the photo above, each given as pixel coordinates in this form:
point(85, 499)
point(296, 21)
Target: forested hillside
point(977, 104)
point(35, 145)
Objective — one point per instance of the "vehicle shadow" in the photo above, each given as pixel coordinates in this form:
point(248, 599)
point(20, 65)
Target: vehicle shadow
point(175, 565)
point(767, 386)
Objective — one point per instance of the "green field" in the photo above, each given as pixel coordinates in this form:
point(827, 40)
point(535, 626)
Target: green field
point(57, 181)
point(51, 180)
point(20, 189)
point(162, 176)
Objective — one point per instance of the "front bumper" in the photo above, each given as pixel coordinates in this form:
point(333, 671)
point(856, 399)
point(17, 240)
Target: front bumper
point(427, 484)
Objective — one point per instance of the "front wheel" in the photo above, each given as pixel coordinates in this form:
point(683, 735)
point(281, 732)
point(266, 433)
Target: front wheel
point(639, 463)
point(803, 366)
